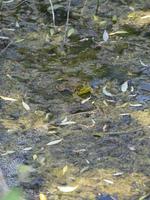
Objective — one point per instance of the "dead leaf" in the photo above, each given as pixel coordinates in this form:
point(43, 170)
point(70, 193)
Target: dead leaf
point(65, 169)
point(85, 100)
point(26, 106)
point(118, 173)
point(8, 98)
point(124, 86)
point(105, 36)
point(34, 157)
point(121, 32)
point(54, 142)
point(7, 153)
point(143, 64)
point(67, 188)
point(107, 93)
point(27, 149)
point(108, 181)
point(66, 122)
point(42, 196)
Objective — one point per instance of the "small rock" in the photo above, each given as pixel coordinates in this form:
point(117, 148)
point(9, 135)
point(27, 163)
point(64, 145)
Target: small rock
point(105, 197)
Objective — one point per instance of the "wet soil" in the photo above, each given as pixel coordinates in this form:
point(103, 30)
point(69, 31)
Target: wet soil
point(76, 114)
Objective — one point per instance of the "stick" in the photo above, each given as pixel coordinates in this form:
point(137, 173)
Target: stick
point(67, 21)
point(53, 14)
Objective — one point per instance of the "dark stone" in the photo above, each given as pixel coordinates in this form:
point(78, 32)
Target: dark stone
point(35, 184)
point(145, 86)
point(105, 197)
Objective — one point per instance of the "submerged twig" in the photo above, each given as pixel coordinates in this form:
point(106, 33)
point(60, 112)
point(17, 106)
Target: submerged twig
point(97, 7)
point(53, 14)
point(84, 5)
point(67, 21)
point(3, 50)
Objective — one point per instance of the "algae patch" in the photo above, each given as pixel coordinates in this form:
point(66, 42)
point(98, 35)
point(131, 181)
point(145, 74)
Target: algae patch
point(91, 182)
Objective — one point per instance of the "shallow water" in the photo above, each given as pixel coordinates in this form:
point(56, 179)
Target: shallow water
point(76, 93)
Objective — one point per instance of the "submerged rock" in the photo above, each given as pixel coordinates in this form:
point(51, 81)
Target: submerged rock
point(76, 108)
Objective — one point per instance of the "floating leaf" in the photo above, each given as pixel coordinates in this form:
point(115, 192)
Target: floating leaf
point(42, 196)
point(8, 98)
point(107, 93)
point(26, 106)
point(67, 188)
point(124, 86)
point(105, 36)
point(54, 142)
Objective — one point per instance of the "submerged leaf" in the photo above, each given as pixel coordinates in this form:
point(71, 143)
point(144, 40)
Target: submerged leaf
point(118, 32)
point(42, 196)
point(67, 188)
point(65, 169)
point(143, 64)
point(66, 122)
point(54, 142)
point(70, 32)
point(107, 93)
point(8, 98)
point(124, 86)
point(26, 106)
point(7, 153)
point(105, 36)
point(27, 149)
point(108, 181)
point(85, 100)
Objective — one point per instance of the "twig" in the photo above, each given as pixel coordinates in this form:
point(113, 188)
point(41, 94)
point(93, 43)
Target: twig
point(4, 38)
point(3, 50)
point(53, 14)
point(97, 7)
point(67, 21)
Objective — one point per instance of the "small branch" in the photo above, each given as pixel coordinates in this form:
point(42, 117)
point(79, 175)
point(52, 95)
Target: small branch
point(67, 21)
point(53, 14)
